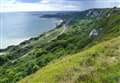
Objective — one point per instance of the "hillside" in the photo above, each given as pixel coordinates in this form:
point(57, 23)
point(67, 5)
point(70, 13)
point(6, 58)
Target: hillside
point(79, 32)
point(99, 64)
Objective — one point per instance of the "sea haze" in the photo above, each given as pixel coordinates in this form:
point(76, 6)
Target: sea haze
point(19, 26)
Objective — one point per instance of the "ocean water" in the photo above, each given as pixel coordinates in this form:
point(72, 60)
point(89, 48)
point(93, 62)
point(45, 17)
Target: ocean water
point(16, 27)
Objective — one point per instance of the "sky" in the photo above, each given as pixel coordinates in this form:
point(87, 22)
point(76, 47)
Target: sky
point(55, 5)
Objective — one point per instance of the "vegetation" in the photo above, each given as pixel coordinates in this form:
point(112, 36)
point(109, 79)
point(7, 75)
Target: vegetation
point(99, 64)
point(44, 51)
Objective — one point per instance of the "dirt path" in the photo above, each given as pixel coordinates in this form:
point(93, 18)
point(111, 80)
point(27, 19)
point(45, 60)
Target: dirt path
point(65, 25)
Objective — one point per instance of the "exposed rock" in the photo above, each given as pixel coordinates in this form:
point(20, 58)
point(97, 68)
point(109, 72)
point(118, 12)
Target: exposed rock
point(94, 33)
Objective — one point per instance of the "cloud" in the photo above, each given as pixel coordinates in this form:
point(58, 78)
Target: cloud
point(45, 1)
point(7, 1)
point(36, 7)
point(119, 4)
point(44, 5)
point(28, 1)
point(54, 5)
point(53, 1)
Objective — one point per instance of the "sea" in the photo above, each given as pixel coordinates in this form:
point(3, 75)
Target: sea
point(16, 27)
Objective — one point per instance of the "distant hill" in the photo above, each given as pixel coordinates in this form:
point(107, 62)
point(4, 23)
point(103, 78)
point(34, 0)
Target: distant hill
point(76, 37)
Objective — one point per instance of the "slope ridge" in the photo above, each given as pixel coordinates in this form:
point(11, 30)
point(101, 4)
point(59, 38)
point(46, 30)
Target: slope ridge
point(99, 64)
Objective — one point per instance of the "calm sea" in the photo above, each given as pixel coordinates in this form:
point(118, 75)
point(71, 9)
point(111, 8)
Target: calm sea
point(17, 27)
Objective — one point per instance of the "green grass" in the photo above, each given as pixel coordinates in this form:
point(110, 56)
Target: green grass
point(99, 64)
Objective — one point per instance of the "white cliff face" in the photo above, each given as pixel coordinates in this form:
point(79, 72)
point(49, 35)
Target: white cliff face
point(94, 13)
point(94, 33)
point(88, 14)
point(108, 15)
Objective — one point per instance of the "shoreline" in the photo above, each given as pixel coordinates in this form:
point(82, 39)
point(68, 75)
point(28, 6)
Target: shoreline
point(20, 40)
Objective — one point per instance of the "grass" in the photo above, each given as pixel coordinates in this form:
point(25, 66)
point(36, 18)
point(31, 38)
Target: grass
point(99, 64)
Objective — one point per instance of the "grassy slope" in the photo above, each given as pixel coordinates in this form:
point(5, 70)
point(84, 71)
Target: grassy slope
point(99, 64)
point(111, 30)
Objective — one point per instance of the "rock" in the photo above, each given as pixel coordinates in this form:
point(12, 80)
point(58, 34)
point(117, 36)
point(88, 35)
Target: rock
point(94, 33)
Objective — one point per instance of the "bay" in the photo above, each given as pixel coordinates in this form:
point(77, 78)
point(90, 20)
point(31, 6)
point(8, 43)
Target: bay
point(16, 27)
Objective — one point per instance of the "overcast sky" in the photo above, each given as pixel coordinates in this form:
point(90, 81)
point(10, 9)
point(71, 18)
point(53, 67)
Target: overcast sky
point(55, 5)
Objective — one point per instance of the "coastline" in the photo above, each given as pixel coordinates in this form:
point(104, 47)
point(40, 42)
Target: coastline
point(15, 42)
